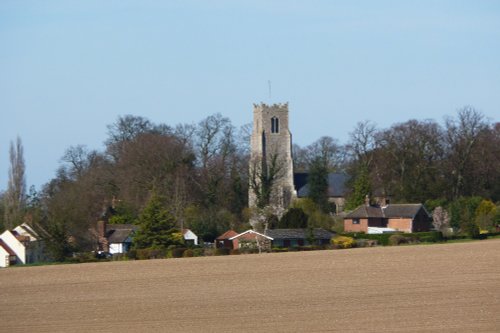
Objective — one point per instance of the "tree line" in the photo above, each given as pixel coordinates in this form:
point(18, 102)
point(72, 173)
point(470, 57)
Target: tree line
point(199, 174)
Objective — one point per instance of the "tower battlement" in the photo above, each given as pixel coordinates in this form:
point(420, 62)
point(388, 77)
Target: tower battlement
point(263, 105)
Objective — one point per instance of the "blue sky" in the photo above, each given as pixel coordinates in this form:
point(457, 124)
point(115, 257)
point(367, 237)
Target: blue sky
point(69, 68)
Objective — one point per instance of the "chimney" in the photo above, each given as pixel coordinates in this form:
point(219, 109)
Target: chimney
point(367, 200)
point(101, 228)
point(101, 235)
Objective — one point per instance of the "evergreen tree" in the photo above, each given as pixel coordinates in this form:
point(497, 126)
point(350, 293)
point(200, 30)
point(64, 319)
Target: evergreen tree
point(156, 227)
point(362, 188)
point(294, 218)
point(318, 184)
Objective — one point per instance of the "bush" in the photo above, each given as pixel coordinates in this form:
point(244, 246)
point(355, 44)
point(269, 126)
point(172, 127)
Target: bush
point(221, 252)
point(279, 249)
point(178, 252)
point(143, 254)
point(120, 257)
point(198, 252)
point(248, 250)
point(132, 254)
point(234, 252)
point(362, 242)
point(382, 239)
point(398, 239)
point(429, 237)
point(343, 242)
point(82, 257)
point(188, 253)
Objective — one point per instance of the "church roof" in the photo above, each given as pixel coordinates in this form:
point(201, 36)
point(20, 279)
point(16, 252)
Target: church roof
point(336, 184)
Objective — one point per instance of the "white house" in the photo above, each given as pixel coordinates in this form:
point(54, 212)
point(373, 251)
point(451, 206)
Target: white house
point(24, 243)
point(189, 236)
point(7, 256)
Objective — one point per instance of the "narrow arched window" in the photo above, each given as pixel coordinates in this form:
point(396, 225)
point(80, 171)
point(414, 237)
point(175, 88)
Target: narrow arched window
point(275, 125)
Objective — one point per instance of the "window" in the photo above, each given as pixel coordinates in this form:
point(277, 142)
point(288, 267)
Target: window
point(275, 125)
point(355, 221)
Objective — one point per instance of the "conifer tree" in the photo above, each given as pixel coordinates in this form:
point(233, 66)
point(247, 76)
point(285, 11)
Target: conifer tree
point(318, 184)
point(156, 227)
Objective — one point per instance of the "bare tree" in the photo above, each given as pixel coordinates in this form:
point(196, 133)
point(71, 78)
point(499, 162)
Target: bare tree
point(326, 150)
point(362, 142)
point(15, 197)
point(462, 136)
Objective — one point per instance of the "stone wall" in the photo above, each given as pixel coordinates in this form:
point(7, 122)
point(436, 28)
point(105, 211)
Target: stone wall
point(266, 145)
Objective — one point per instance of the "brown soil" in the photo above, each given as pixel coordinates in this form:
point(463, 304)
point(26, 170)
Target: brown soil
point(452, 288)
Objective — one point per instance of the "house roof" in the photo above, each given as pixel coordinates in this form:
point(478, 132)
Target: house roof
point(228, 234)
point(112, 226)
point(250, 235)
point(403, 210)
point(365, 211)
point(25, 230)
point(336, 184)
point(185, 231)
point(119, 233)
point(7, 248)
point(318, 233)
point(389, 211)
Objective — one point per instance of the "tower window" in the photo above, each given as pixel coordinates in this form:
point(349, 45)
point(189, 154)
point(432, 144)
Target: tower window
point(275, 125)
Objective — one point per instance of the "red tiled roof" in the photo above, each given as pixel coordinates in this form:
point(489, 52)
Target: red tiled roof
point(228, 234)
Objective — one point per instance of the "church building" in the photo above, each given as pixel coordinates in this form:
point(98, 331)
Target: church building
point(271, 164)
point(272, 180)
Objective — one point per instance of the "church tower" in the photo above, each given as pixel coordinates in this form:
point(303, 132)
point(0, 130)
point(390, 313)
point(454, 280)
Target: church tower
point(271, 157)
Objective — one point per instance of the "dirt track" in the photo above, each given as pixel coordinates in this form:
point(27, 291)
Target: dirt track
point(451, 288)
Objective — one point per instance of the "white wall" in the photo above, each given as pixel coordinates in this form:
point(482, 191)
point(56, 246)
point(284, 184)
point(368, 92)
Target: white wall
point(189, 235)
point(115, 248)
point(4, 258)
point(15, 245)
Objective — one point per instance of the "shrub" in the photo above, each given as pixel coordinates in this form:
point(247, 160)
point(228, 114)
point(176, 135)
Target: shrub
point(178, 252)
point(382, 239)
point(343, 242)
point(142, 254)
point(149, 253)
point(221, 252)
point(188, 253)
point(132, 254)
point(398, 239)
point(248, 250)
point(429, 237)
point(279, 249)
point(362, 242)
point(234, 252)
point(198, 252)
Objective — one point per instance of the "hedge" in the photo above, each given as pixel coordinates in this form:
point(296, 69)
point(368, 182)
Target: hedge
point(383, 239)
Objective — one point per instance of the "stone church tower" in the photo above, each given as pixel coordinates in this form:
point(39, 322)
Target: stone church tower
point(271, 154)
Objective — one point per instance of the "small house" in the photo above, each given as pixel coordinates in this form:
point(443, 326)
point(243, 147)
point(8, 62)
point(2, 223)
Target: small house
point(21, 245)
point(7, 255)
point(299, 237)
point(190, 237)
point(225, 241)
point(251, 239)
point(398, 217)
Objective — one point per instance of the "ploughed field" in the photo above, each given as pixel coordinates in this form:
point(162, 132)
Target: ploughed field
point(445, 287)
